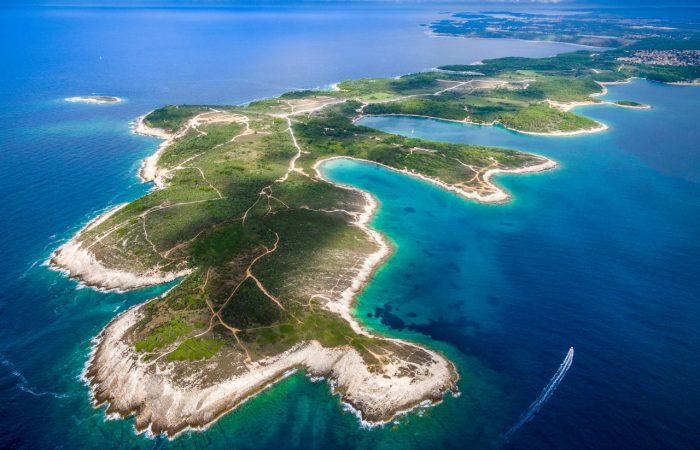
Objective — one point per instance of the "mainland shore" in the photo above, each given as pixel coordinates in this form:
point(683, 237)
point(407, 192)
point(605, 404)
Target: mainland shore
point(128, 384)
point(498, 195)
point(120, 379)
point(78, 262)
point(566, 107)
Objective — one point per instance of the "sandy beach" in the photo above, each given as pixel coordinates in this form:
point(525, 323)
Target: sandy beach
point(601, 127)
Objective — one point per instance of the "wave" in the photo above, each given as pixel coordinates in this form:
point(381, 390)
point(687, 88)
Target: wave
point(543, 397)
point(23, 384)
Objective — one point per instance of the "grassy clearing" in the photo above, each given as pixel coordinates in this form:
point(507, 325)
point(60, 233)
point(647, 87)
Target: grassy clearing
point(194, 349)
point(164, 335)
point(195, 142)
point(376, 89)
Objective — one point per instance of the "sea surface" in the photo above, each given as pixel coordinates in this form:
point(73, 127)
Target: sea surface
point(600, 254)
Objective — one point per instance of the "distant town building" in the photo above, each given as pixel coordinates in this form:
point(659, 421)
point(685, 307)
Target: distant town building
point(664, 57)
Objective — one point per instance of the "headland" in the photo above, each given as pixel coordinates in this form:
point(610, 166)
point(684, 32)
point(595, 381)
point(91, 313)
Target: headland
point(271, 256)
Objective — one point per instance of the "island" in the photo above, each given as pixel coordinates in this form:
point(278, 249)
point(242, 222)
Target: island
point(631, 104)
point(270, 256)
point(94, 99)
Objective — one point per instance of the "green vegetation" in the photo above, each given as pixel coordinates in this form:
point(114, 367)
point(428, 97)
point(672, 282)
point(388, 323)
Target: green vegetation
point(194, 142)
point(531, 117)
point(541, 118)
point(610, 76)
point(447, 162)
point(582, 67)
point(666, 74)
point(102, 98)
point(601, 28)
point(267, 255)
point(171, 118)
point(563, 89)
point(452, 109)
point(193, 349)
point(268, 246)
point(628, 103)
point(306, 93)
point(377, 89)
point(665, 43)
point(163, 335)
point(250, 308)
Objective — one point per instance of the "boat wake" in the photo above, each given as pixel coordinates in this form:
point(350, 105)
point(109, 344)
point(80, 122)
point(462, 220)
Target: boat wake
point(543, 397)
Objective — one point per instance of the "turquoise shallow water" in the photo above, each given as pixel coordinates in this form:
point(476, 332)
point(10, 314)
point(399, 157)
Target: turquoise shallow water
point(599, 254)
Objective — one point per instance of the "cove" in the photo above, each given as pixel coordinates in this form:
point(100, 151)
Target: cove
point(597, 254)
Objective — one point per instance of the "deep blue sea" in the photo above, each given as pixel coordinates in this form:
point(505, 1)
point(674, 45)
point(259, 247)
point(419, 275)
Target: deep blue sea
point(601, 254)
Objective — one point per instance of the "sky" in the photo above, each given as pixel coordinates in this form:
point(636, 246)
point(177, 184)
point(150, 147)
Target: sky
point(397, 2)
point(426, 3)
